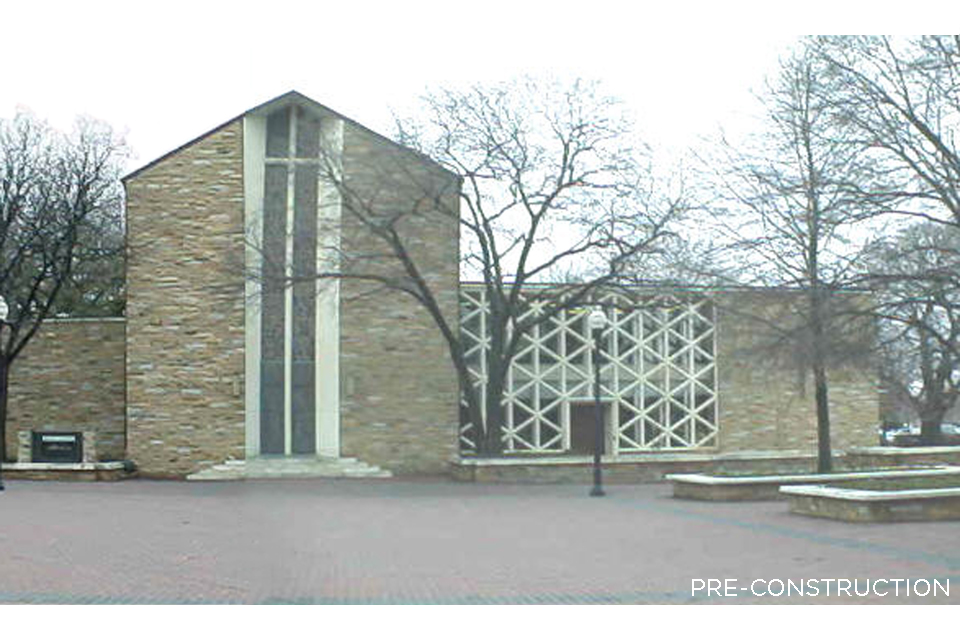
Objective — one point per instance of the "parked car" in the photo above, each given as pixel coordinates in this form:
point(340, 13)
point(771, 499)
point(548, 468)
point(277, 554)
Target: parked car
point(908, 435)
point(892, 430)
point(950, 433)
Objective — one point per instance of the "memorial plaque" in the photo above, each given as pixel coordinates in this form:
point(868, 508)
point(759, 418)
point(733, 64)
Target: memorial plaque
point(57, 447)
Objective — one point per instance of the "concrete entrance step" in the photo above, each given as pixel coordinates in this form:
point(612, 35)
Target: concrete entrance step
point(293, 467)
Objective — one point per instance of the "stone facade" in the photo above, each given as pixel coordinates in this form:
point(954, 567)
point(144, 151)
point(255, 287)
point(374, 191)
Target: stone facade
point(399, 390)
point(70, 378)
point(168, 388)
point(185, 313)
point(767, 404)
point(189, 330)
point(186, 307)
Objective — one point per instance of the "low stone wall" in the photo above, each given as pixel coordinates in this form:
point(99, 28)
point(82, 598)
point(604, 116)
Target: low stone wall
point(627, 470)
point(768, 487)
point(725, 492)
point(880, 457)
point(852, 505)
point(83, 471)
point(70, 377)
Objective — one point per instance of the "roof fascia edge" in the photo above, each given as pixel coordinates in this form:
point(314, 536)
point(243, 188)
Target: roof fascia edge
point(292, 97)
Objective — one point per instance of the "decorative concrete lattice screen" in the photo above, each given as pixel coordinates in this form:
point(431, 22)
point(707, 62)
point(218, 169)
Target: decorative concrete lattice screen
point(658, 377)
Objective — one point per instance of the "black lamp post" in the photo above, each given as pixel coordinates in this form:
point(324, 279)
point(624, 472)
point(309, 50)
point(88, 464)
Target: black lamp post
point(4, 312)
point(597, 321)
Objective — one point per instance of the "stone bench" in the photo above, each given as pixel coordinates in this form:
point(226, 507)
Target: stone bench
point(863, 505)
point(696, 486)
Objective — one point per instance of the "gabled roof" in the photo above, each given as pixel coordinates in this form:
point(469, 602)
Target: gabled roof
point(290, 97)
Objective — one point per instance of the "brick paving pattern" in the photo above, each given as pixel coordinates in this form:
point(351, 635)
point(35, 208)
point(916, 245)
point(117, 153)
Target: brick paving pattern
point(431, 542)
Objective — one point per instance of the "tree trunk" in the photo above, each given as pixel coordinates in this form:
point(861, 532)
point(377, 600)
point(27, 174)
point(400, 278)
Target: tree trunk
point(497, 366)
point(818, 334)
point(930, 432)
point(4, 380)
point(824, 456)
point(930, 420)
point(490, 443)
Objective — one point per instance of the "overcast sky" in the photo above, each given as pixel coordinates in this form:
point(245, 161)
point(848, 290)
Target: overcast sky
point(165, 72)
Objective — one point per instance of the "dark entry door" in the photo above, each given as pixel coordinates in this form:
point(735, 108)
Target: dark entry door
point(583, 425)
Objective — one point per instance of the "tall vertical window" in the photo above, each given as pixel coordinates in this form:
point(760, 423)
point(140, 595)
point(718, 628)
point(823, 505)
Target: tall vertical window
point(289, 294)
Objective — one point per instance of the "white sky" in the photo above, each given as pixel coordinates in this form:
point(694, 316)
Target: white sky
point(165, 72)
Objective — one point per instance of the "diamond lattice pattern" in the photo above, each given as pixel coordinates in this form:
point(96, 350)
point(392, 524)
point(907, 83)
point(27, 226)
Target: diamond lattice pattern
point(658, 377)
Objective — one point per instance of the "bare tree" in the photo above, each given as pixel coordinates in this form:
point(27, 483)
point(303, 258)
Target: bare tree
point(97, 283)
point(789, 205)
point(899, 98)
point(550, 188)
point(56, 193)
point(916, 277)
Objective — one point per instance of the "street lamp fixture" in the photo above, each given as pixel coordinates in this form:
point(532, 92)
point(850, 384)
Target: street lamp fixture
point(597, 322)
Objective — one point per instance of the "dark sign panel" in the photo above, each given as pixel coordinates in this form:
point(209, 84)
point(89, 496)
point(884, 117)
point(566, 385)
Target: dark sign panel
point(57, 447)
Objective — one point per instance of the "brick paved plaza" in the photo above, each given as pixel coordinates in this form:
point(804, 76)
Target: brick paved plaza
point(430, 542)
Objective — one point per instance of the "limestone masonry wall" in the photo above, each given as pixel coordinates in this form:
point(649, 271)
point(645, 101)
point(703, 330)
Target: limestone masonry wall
point(766, 404)
point(70, 378)
point(185, 328)
point(399, 391)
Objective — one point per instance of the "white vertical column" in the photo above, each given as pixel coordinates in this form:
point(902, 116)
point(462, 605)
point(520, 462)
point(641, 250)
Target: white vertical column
point(562, 319)
point(288, 293)
point(329, 217)
point(714, 384)
point(613, 360)
point(254, 149)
